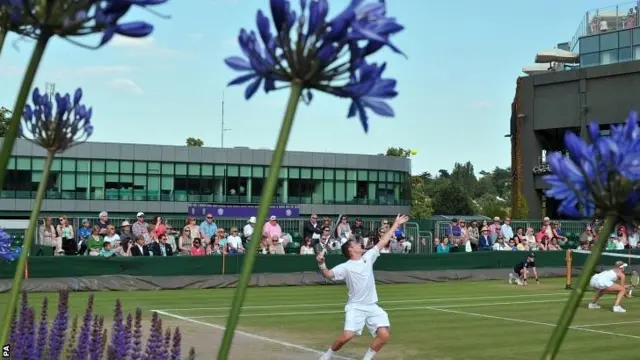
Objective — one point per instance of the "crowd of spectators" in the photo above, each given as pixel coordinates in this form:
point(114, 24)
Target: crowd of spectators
point(158, 238)
point(501, 236)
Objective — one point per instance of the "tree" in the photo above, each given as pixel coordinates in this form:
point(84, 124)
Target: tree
point(399, 152)
point(420, 203)
point(5, 118)
point(194, 142)
point(492, 206)
point(452, 200)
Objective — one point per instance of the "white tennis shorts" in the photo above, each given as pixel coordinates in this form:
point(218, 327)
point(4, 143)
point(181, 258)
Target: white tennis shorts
point(599, 284)
point(358, 315)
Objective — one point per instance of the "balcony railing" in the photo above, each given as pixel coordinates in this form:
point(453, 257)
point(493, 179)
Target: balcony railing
point(608, 19)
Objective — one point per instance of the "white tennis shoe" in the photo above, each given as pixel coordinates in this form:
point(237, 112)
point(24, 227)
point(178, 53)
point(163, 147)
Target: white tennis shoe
point(593, 306)
point(619, 309)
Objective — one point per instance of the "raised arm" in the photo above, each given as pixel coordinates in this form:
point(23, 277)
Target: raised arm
point(326, 272)
point(384, 241)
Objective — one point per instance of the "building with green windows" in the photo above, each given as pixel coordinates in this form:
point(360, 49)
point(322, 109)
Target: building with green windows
point(156, 179)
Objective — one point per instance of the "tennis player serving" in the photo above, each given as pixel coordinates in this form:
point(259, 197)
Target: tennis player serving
point(362, 306)
point(605, 282)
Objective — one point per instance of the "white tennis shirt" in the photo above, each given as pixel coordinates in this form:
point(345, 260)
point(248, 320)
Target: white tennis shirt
point(606, 277)
point(358, 275)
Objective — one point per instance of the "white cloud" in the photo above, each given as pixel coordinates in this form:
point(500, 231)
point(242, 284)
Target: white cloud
point(126, 85)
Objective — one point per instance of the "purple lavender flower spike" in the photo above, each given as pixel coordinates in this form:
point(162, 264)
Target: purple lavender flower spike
point(13, 337)
point(136, 349)
point(192, 354)
point(94, 343)
point(43, 329)
point(59, 328)
point(166, 345)
point(71, 340)
point(21, 346)
point(176, 345)
point(128, 328)
point(117, 346)
point(103, 341)
point(153, 339)
point(30, 339)
point(82, 349)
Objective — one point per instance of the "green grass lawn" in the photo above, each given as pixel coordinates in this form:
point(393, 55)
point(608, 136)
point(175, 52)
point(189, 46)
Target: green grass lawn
point(451, 320)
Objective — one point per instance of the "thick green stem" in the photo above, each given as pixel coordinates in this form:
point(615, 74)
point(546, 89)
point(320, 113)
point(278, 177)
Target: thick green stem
point(16, 115)
point(263, 210)
point(569, 311)
point(26, 248)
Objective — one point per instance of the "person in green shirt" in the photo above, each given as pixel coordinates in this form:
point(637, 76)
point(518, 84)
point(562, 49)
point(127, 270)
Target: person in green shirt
point(107, 250)
point(95, 241)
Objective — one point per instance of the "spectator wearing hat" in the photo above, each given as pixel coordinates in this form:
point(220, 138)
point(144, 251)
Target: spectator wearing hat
point(312, 229)
point(208, 229)
point(141, 228)
point(484, 242)
point(126, 236)
point(84, 231)
point(248, 229)
point(272, 229)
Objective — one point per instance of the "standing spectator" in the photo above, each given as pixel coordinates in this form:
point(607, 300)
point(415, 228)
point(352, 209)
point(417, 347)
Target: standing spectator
point(68, 241)
point(49, 236)
point(306, 248)
point(208, 229)
point(161, 248)
point(358, 228)
point(185, 241)
point(249, 228)
point(141, 229)
point(474, 235)
point(485, 242)
point(140, 248)
point(234, 242)
point(507, 231)
point(194, 229)
point(126, 236)
point(94, 244)
point(272, 228)
point(159, 228)
point(343, 230)
point(83, 235)
point(103, 222)
point(453, 229)
point(312, 229)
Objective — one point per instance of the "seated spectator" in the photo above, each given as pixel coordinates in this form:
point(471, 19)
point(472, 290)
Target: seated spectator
point(557, 234)
point(523, 245)
point(161, 247)
point(141, 228)
point(343, 230)
point(84, 232)
point(358, 228)
point(520, 235)
point(220, 238)
point(453, 230)
point(306, 248)
point(474, 235)
point(264, 245)
point(276, 248)
point(249, 228)
point(184, 241)
point(485, 242)
point(500, 245)
point(312, 229)
point(443, 247)
point(197, 249)
point(49, 236)
point(68, 242)
point(272, 229)
point(495, 229)
point(194, 229)
point(171, 237)
point(587, 235)
point(159, 228)
point(234, 242)
point(542, 243)
point(512, 244)
point(94, 244)
point(208, 229)
point(107, 250)
point(634, 236)
point(126, 236)
point(506, 229)
point(531, 238)
point(111, 236)
point(552, 245)
point(140, 248)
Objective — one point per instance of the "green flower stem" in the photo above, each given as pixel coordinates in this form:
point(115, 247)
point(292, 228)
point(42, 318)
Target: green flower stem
point(16, 115)
point(11, 306)
point(263, 210)
point(573, 303)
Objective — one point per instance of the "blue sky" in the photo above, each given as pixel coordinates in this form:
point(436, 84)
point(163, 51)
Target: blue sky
point(456, 86)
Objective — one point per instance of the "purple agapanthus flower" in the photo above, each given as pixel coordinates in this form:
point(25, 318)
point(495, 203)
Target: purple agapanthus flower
point(602, 174)
point(56, 128)
point(8, 252)
point(77, 18)
point(329, 55)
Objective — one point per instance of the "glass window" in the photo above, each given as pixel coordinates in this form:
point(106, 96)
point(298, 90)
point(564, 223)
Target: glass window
point(340, 192)
point(258, 172)
point(140, 181)
point(152, 167)
point(113, 166)
point(233, 170)
point(154, 183)
point(12, 163)
point(589, 60)
point(305, 173)
point(37, 164)
point(284, 172)
point(68, 182)
point(294, 173)
point(328, 192)
point(624, 54)
point(609, 41)
point(351, 175)
point(328, 175)
point(125, 180)
point(245, 171)
point(194, 170)
point(181, 169)
point(382, 176)
point(167, 183)
point(362, 175)
point(68, 165)
point(82, 181)
point(140, 167)
point(207, 170)
point(636, 36)
point(97, 166)
point(83, 165)
point(219, 170)
point(373, 176)
point(126, 167)
point(636, 53)
point(340, 174)
point(609, 57)
point(589, 44)
point(624, 38)
point(317, 174)
point(56, 165)
point(23, 163)
point(167, 168)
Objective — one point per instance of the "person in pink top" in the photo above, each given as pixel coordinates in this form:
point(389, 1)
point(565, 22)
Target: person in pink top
point(197, 249)
point(272, 228)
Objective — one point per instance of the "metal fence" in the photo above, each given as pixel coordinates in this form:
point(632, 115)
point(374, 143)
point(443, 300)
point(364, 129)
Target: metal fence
point(567, 227)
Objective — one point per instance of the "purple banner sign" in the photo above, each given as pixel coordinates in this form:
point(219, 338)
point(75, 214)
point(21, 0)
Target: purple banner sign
point(241, 211)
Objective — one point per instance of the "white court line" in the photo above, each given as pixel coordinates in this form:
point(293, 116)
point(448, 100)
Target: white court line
point(531, 322)
point(326, 312)
point(607, 324)
point(250, 335)
point(382, 302)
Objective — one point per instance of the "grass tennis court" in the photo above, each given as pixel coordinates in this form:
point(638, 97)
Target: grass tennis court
point(451, 320)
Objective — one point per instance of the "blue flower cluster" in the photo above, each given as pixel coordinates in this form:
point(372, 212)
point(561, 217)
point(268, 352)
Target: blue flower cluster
point(602, 175)
point(7, 251)
point(77, 18)
point(56, 130)
point(325, 55)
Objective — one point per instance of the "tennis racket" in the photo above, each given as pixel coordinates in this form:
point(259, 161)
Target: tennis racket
point(634, 280)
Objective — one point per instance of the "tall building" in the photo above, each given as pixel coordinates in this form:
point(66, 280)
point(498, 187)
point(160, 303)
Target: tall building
point(602, 87)
point(165, 180)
